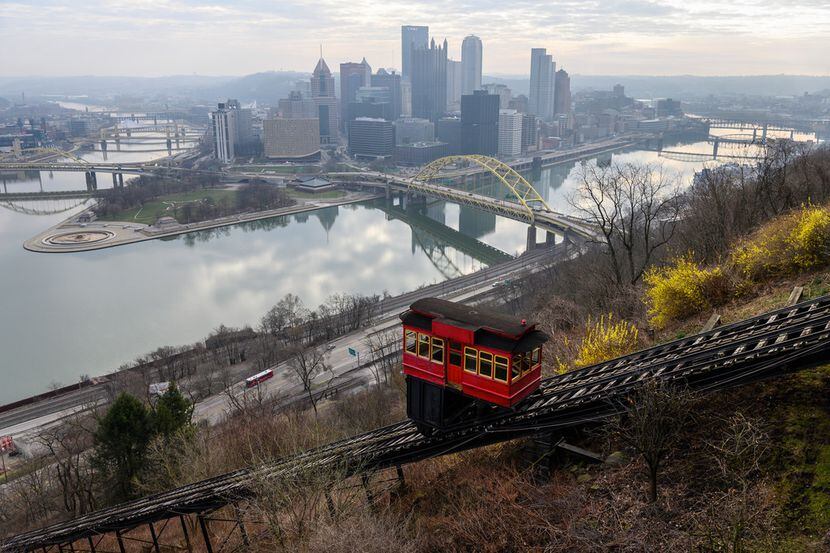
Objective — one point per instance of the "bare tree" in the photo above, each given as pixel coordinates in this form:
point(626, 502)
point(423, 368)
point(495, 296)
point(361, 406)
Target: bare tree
point(385, 349)
point(634, 207)
point(306, 364)
point(651, 424)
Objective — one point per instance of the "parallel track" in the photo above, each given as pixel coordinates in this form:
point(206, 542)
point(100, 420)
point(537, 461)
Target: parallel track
point(772, 344)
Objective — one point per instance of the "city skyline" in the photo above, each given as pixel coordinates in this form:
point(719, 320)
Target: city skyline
point(707, 38)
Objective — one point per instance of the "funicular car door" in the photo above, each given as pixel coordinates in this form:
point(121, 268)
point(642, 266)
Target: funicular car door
point(454, 365)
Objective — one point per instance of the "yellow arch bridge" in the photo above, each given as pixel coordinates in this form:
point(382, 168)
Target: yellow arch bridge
point(523, 202)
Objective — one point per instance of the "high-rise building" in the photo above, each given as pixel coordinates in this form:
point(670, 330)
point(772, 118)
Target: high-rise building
point(297, 106)
point(224, 133)
point(406, 98)
point(411, 129)
point(479, 123)
point(353, 76)
point(542, 75)
point(619, 90)
point(530, 133)
point(291, 139)
point(448, 130)
point(372, 101)
point(519, 103)
point(412, 37)
point(470, 64)
point(392, 81)
point(510, 133)
point(562, 94)
point(371, 138)
point(322, 93)
point(429, 81)
point(502, 91)
point(245, 141)
point(453, 85)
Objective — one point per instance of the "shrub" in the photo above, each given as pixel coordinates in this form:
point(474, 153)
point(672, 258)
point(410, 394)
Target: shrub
point(681, 289)
point(791, 243)
point(604, 339)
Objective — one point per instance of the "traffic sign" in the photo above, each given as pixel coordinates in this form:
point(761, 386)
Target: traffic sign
point(353, 352)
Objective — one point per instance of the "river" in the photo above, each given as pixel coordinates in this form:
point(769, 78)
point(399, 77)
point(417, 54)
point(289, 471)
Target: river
point(66, 315)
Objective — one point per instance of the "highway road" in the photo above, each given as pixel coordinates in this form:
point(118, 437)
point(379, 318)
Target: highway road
point(27, 421)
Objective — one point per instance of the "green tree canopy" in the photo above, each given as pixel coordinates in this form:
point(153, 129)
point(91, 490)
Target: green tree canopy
point(173, 411)
point(121, 442)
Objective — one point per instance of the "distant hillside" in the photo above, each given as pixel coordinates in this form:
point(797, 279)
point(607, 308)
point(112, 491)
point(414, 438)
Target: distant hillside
point(268, 87)
point(683, 86)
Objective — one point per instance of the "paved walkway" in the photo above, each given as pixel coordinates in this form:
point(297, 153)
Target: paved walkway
point(69, 236)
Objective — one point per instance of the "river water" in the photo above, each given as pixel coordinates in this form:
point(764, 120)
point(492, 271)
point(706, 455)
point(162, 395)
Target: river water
point(65, 315)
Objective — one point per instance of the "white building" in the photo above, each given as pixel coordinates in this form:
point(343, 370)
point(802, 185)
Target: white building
point(510, 133)
point(224, 133)
point(471, 54)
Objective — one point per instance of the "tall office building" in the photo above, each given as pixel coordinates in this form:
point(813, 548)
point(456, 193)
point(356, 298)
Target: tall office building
point(224, 132)
point(502, 91)
point(410, 130)
point(479, 123)
point(470, 64)
point(406, 98)
point(392, 81)
point(322, 93)
point(292, 139)
point(371, 138)
point(542, 75)
point(530, 134)
point(448, 130)
point(412, 37)
point(562, 94)
point(372, 101)
point(297, 106)
point(453, 85)
point(353, 76)
point(510, 133)
point(429, 81)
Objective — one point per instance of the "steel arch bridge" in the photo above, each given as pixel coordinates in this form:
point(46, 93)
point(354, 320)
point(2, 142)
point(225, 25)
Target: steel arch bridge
point(523, 191)
point(43, 207)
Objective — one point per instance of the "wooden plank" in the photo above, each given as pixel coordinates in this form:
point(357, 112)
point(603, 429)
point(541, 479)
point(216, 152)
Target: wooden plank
point(795, 296)
point(713, 321)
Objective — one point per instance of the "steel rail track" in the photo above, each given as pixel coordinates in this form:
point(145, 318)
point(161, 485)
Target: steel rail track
point(774, 343)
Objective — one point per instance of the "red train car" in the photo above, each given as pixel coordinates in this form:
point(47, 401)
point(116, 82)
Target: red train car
point(460, 359)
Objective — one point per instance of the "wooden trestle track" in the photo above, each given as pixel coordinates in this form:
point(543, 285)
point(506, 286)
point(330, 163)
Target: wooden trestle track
point(772, 344)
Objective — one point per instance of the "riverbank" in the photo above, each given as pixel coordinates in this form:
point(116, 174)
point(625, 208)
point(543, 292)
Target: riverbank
point(72, 236)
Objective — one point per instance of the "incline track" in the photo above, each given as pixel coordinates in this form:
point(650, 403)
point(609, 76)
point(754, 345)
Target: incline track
point(772, 344)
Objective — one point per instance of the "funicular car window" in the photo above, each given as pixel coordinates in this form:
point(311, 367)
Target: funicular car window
point(537, 355)
point(485, 364)
point(410, 341)
point(516, 368)
point(437, 350)
point(470, 360)
point(501, 368)
point(423, 345)
point(455, 354)
point(525, 363)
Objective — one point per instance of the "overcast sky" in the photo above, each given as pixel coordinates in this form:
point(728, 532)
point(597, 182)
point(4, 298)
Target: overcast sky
point(620, 37)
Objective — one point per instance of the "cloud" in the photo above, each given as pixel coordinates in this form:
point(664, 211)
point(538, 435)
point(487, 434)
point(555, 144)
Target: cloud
point(154, 37)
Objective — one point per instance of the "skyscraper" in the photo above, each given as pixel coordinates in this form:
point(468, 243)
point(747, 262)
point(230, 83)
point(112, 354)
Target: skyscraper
point(322, 93)
point(470, 64)
point(353, 76)
point(453, 85)
point(392, 81)
point(429, 81)
point(412, 36)
point(562, 94)
point(542, 75)
point(510, 133)
point(224, 132)
point(479, 123)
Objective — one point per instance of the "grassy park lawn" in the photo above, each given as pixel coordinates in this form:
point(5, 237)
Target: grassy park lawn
point(161, 206)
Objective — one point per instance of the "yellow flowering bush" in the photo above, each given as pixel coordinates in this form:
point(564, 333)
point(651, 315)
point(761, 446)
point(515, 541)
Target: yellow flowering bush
point(793, 242)
point(605, 339)
point(681, 289)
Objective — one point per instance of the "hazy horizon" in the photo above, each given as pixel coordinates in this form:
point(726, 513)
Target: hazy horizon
point(607, 37)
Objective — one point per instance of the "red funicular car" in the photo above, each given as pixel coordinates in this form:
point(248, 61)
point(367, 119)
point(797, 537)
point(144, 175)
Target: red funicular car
point(460, 359)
